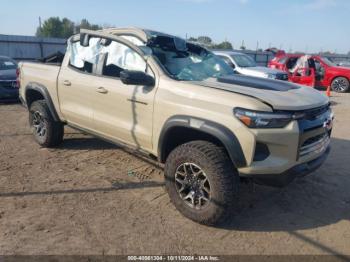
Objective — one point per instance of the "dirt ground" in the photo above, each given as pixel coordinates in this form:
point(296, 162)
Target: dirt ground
point(89, 197)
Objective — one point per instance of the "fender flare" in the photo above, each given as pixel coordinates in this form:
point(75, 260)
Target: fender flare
point(222, 133)
point(45, 93)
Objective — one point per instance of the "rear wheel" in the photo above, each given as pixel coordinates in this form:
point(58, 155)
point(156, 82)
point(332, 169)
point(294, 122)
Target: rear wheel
point(340, 84)
point(202, 182)
point(46, 131)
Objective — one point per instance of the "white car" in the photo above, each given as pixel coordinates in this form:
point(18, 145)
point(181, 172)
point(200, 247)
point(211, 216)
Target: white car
point(245, 65)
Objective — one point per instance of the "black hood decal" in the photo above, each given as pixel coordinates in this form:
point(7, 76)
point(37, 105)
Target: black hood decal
point(259, 83)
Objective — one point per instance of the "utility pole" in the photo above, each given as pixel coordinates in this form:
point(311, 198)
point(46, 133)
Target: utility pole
point(41, 43)
point(243, 45)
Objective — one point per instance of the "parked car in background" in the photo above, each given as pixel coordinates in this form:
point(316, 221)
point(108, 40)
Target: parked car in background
point(317, 72)
point(8, 79)
point(344, 63)
point(245, 65)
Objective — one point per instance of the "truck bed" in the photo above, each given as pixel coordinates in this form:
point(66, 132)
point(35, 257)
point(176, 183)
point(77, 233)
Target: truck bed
point(39, 74)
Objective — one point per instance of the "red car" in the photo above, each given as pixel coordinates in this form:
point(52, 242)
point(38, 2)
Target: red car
point(320, 71)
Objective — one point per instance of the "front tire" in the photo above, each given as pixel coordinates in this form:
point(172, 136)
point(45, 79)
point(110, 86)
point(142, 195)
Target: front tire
point(46, 131)
point(202, 182)
point(340, 84)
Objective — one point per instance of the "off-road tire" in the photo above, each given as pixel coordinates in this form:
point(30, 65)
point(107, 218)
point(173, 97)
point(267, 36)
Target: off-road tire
point(54, 131)
point(340, 84)
point(221, 173)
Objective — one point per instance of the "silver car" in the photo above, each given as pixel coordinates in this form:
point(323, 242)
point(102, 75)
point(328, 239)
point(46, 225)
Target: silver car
point(245, 65)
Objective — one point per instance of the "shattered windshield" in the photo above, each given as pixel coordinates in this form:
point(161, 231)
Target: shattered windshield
point(187, 62)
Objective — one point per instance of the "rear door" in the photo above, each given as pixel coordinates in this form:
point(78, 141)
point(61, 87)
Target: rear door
point(303, 76)
point(77, 83)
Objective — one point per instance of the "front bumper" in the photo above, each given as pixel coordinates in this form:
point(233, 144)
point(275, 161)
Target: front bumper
point(291, 150)
point(288, 176)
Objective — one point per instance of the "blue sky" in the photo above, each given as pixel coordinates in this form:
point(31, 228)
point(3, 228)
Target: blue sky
point(300, 25)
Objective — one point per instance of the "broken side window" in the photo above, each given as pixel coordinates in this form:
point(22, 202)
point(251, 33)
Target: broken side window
point(120, 57)
point(85, 58)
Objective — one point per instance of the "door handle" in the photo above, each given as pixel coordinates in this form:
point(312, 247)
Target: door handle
point(67, 83)
point(102, 90)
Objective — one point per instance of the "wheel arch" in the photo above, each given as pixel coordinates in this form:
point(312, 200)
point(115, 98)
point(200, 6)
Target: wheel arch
point(181, 129)
point(336, 76)
point(35, 91)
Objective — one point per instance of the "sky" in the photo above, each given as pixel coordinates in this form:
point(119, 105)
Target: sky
point(293, 25)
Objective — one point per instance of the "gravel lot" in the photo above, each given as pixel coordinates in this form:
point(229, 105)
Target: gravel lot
point(89, 197)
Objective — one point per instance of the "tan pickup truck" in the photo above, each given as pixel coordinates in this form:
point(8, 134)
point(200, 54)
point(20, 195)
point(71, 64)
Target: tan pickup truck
point(180, 105)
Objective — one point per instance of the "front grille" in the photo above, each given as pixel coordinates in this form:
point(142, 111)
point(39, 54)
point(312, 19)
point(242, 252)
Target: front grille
point(315, 113)
point(8, 84)
point(315, 127)
point(314, 145)
point(283, 77)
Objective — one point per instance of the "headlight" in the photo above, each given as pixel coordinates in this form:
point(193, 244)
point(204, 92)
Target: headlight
point(259, 119)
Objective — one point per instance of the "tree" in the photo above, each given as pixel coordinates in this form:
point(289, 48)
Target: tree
point(206, 40)
point(52, 27)
point(67, 28)
point(192, 39)
point(55, 27)
point(84, 24)
point(224, 45)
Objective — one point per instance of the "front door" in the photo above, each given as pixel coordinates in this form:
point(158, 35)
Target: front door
point(123, 111)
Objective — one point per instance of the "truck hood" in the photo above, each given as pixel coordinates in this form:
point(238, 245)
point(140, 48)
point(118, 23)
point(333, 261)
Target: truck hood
point(279, 95)
point(259, 70)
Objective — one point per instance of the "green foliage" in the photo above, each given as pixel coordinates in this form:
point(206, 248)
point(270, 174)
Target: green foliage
point(84, 24)
point(67, 28)
point(55, 27)
point(224, 45)
point(192, 39)
point(52, 27)
point(206, 41)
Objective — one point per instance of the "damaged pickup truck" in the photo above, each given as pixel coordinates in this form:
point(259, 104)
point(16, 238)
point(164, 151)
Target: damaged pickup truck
point(177, 103)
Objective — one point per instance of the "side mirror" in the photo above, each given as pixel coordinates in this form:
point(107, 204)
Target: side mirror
point(84, 39)
point(130, 77)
